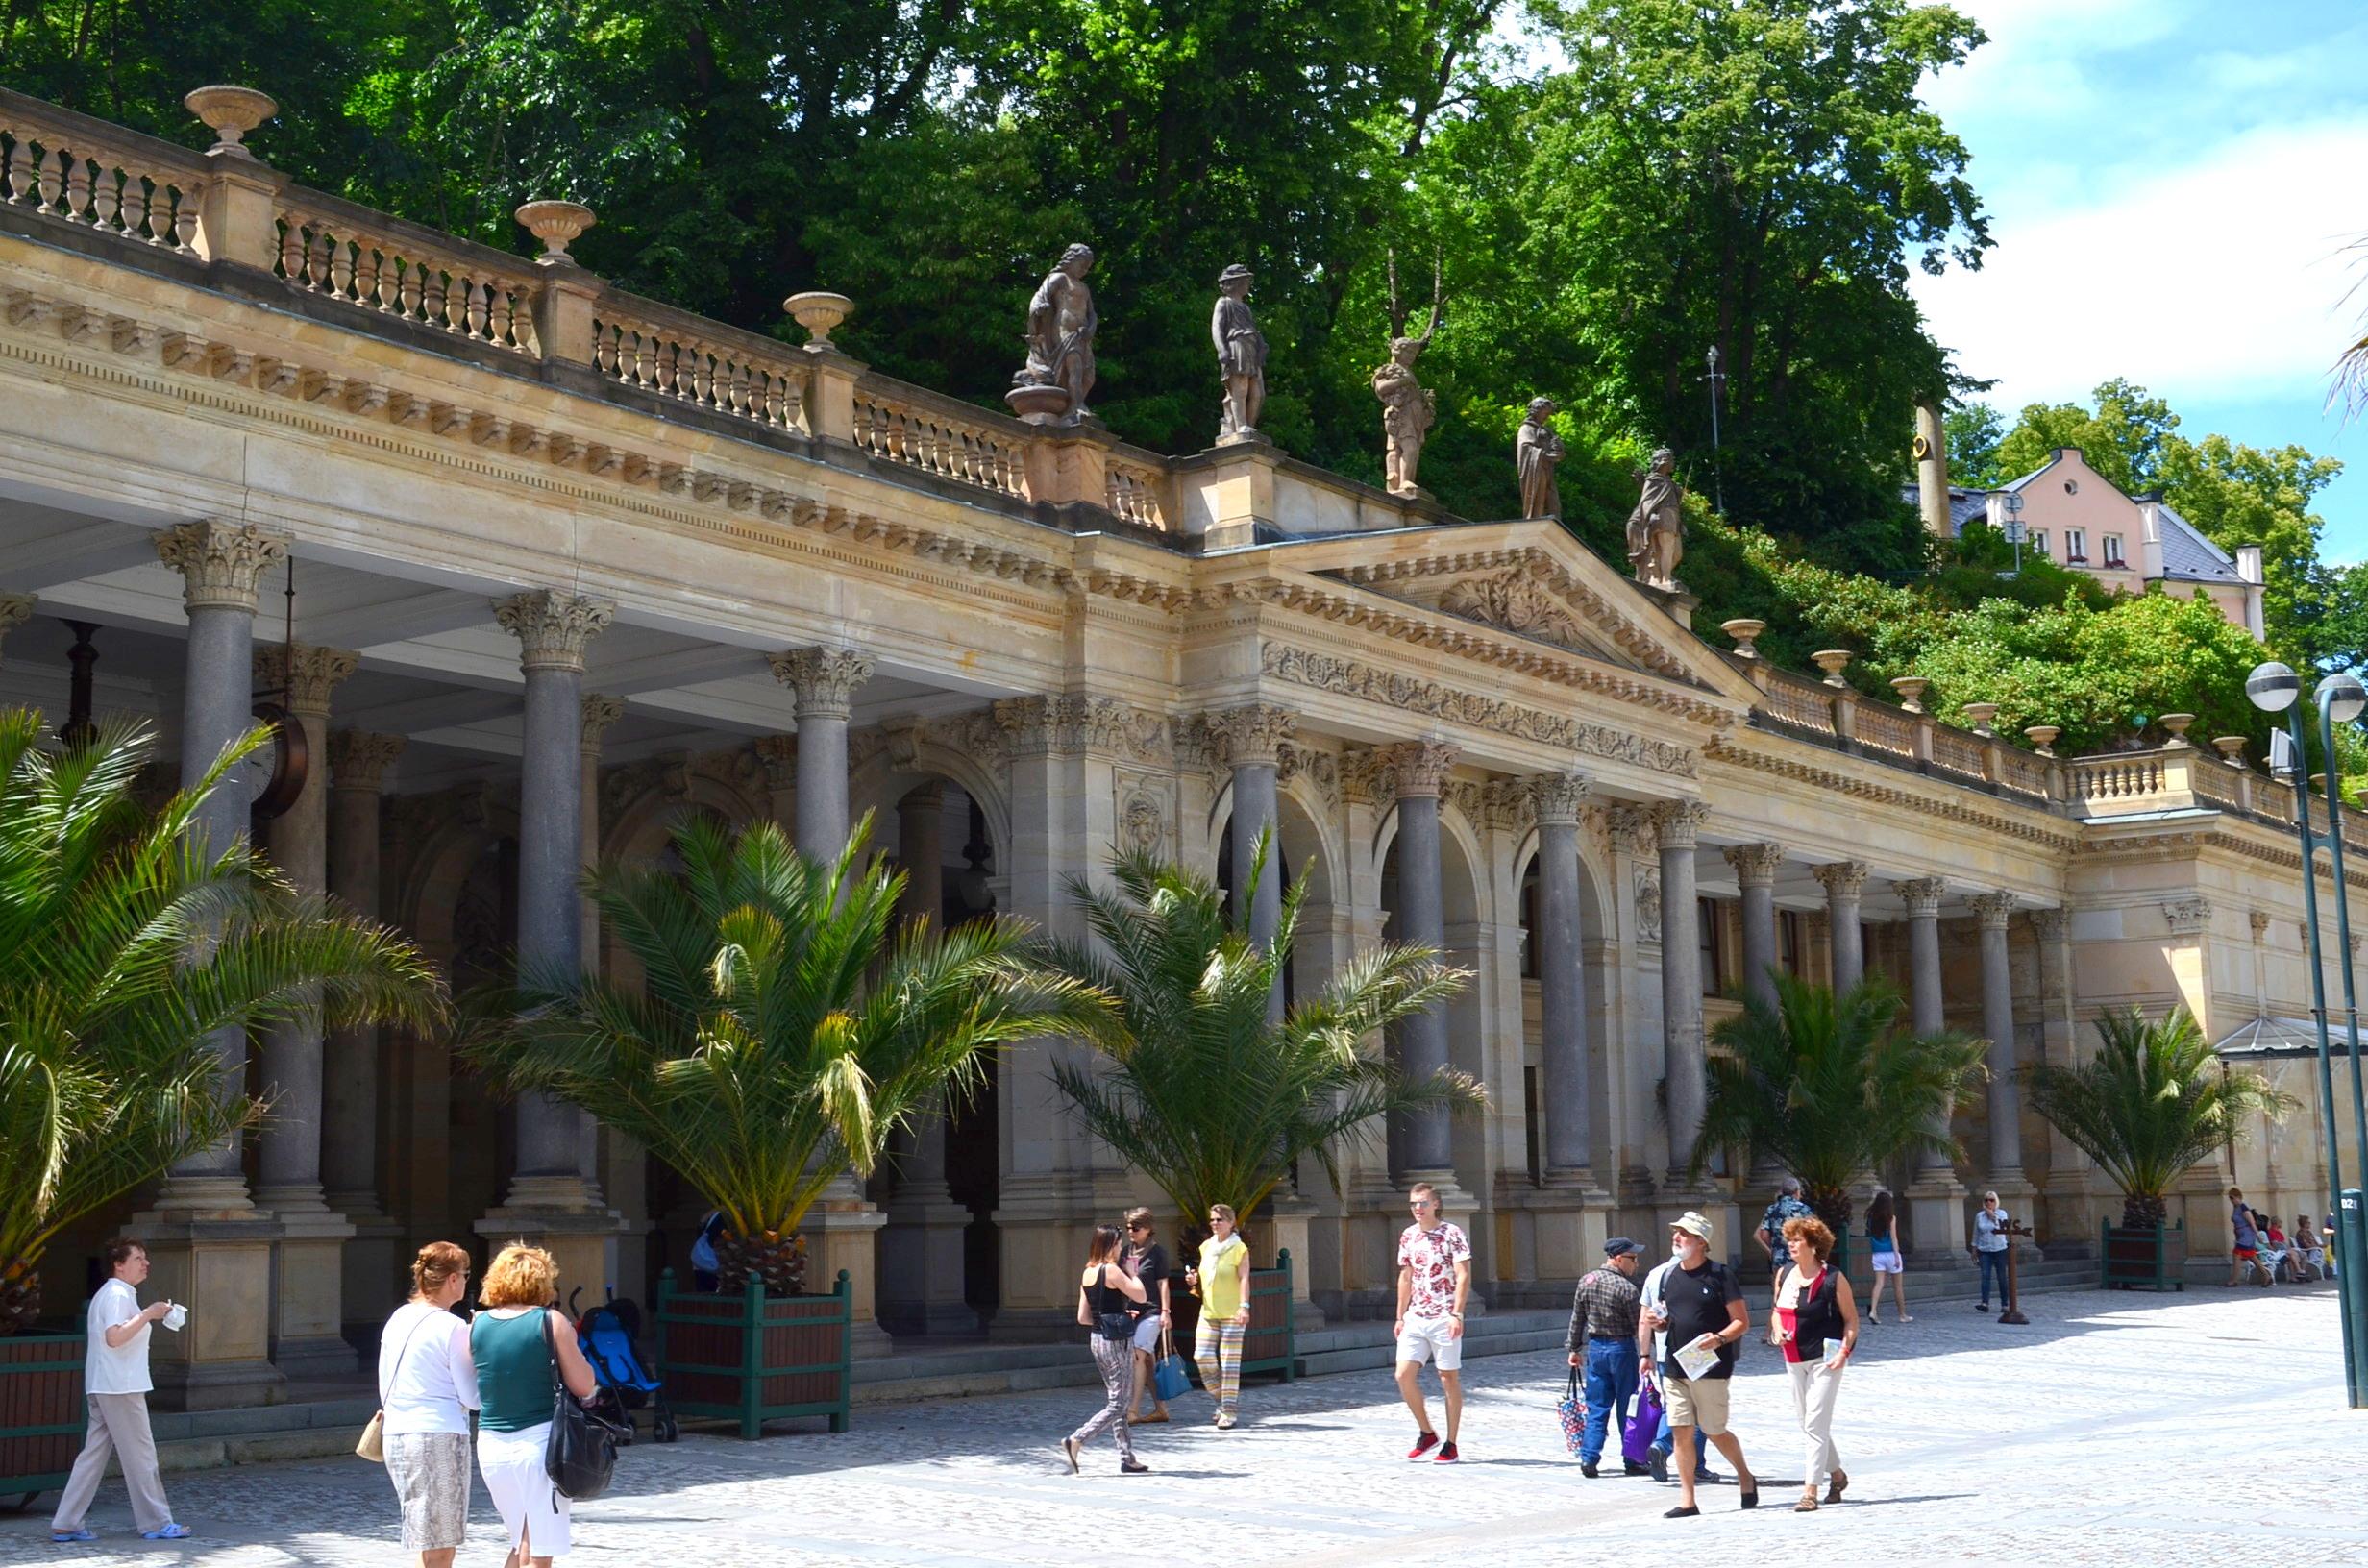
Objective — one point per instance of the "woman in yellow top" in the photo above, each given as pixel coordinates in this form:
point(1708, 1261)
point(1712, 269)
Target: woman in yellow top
point(1223, 1280)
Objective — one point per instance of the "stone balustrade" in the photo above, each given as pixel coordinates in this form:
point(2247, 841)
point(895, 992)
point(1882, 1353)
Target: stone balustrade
point(911, 425)
point(101, 176)
point(338, 250)
point(1136, 489)
point(653, 347)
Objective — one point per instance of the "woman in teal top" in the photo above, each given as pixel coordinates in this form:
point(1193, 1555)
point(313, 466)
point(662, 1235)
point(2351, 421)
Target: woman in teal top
point(514, 1360)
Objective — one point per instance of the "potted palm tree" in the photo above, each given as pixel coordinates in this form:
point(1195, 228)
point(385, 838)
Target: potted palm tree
point(1199, 1086)
point(1827, 1086)
point(2154, 1101)
point(785, 1024)
point(124, 949)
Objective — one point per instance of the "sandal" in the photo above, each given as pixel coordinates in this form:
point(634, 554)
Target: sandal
point(1835, 1485)
point(1154, 1419)
point(1808, 1502)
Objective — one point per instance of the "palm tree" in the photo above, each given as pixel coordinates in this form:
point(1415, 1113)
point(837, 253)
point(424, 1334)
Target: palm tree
point(1204, 1092)
point(123, 949)
point(783, 1027)
point(2153, 1101)
point(1827, 1086)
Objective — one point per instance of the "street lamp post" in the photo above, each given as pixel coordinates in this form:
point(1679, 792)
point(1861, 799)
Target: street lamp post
point(1718, 478)
point(2013, 505)
point(2341, 700)
point(2275, 688)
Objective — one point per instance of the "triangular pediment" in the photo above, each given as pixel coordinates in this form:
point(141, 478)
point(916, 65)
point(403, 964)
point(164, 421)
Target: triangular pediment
point(1533, 580)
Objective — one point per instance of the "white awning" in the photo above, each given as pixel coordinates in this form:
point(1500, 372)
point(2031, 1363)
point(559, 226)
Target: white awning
point(2282, 1037)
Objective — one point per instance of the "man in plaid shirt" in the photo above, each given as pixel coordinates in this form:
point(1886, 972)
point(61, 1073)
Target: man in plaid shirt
point(1603, 1342)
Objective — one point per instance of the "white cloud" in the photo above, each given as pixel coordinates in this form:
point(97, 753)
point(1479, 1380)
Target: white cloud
point(2223, 278)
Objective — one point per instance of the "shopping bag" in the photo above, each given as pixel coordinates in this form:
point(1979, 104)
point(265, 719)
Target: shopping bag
point(1636, 1438)
point(1170, 1379)
point(1574, 1412)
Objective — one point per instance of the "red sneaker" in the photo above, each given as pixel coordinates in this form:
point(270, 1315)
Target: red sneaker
point(1423, 1445)
point(1446, 1454)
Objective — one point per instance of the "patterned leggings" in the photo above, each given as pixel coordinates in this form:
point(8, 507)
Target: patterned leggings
point(1218, 1348)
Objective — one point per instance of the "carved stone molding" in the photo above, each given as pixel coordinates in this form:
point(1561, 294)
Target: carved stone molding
point(825, 679)
point(307, 676)
point(2051, 925)
point(1631, 828)
point(1252, 734)
point(599, 711)
point(552, 628)
point(1581, 605)
point(1755, 864)
point(2034, 826)
point(1992, 909)
point(1648, 903)
point(1321, 768)
point(2259, 918)
point(1073, 723)
point(778, 755)
point(2187, 916)
point(1846, 879)
point(1679, 823)
point(1367, 776)
point(1922, 895)
point(1557, 797)
point(358, 760)
point(1514, 601)
point(1420, 767)
point(221, 564)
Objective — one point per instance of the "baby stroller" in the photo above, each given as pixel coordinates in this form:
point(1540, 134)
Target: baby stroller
point(608, 1333)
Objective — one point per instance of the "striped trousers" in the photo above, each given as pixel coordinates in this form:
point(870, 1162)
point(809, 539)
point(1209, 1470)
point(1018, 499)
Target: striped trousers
point(1218, 1348)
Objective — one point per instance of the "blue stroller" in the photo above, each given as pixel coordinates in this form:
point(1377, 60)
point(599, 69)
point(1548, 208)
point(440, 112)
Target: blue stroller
point(608, 1333)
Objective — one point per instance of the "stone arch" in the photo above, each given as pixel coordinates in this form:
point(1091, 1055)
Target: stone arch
point(640, 830)
point(881, 781)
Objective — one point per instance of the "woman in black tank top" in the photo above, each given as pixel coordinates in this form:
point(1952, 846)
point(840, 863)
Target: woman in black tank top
point(1104, 1291)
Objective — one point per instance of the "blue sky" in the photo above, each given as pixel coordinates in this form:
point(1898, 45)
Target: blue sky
point(2171, 185)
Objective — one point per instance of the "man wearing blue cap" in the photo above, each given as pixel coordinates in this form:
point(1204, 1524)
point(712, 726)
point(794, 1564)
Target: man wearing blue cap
point(1603, 1341)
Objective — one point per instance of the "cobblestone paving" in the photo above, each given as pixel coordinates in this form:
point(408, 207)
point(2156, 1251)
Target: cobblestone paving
point(2116, 1428)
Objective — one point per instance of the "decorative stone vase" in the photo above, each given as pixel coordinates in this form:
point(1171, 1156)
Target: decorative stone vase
point(820, 312)
point(1038, 405)
point(1833, 661)
point(2043, 738)
point(2177, 724)
point(2231, 747)
point(1978, 715)
point(556, 224)
point(1911, 690)
point(1746, 635)
point(230, 114)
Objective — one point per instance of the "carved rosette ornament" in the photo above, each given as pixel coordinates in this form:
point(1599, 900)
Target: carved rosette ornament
point(1252, 734)
point(1421, 767)
point(1922, 895)
point(1844, 878)
point(1680, 822)
point(825, 679)
point(553, 629)
point(1557, 797)
point(2187, 916)
point(1993, 909)
point(307, 676)
point(1755, 864)
point(358, 760)
point(221, 564)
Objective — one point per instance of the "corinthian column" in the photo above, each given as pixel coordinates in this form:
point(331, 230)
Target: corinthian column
point(1843, 881)
point(1680, 823)
point(358, 763)
point(1425, 1149)
point(1755, 870)
point(824, 680)
point(2006, 1131)
point(1562, 981)
point(1250, 742)
point(1935, 1210)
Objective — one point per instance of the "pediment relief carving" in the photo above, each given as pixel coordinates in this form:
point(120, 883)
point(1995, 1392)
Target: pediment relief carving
point(1527, 592)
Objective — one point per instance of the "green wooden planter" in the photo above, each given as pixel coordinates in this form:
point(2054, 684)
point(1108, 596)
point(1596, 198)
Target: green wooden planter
point(41, 1416)
point(2143, 1258)
point(754, 1357)
point(1271, 1343)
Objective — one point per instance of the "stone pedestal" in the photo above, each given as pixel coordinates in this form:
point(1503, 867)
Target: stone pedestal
point(842, 1232)
point(1571, 1219)
point(1284, 1226)
point(1043, 1236)
point(219, 1266)
point(308, 1338)
point(1937, 1223)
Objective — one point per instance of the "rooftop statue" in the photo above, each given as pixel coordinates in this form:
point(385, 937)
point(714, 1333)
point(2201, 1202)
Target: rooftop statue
point(1657, 527)
point(1061, 322)
point(1535, 451)
point(1408, 408)
point(1241, 358)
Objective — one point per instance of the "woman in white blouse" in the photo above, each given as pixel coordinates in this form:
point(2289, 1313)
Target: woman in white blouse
point(427, 1387)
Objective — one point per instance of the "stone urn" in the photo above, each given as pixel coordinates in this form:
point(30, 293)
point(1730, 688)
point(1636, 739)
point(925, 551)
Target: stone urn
point(556, 224)
point(230, 114)
point(2043, 738)
point(1978, 715)
point(2232, 747)
point(1833, 661)
point(1746, 635)
point(2177, 724)
point(820, 314)
point(1038, 405)
point(1911, 690)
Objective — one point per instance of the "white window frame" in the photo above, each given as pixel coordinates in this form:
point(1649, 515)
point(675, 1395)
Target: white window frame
point(2113, 551)
point(2076, 546)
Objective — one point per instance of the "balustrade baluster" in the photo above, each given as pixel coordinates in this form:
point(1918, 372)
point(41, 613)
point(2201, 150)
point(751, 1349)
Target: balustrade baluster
point(53, 177)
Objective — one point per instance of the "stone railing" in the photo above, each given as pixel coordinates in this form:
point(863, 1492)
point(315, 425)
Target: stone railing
point(944, 436)
point(2183, 778)
point(1805, 705)
point(1836, 714)
point(99, 175)
point(642, 343)
point(336, 250)
point(1135, 488)
point(1887, 731)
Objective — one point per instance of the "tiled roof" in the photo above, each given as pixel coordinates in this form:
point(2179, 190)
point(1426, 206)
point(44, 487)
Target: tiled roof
point(2189, 557)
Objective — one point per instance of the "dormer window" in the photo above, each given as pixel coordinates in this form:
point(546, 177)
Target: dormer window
point(2076, 546)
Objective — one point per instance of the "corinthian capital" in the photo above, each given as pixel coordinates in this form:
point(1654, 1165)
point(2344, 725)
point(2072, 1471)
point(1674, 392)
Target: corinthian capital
point(1922, 895)
point(1421, 766)
point(1755, 864)
point(1557, 798)
point(1841, 878)
point(824, 678)
point(1992, 908)
point(221, 564)
point(358, 760)
point(599, 711)
point(1681, 822)
point(306, 675)
point(1250, 734)
point(552, 628)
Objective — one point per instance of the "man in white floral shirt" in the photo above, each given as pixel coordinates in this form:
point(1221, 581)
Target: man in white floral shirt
point(1434, 1279)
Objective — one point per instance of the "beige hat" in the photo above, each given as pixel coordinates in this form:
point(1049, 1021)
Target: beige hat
point(1692, 1222)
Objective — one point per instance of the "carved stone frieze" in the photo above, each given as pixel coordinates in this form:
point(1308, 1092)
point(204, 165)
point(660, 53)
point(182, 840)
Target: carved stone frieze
point(1630, 827)
point(778, 756)
point(1321, 768)
point(1648, 903)
point(1515, 601)
point(2187, 916)
point(1367, 777)
point(1069, 724)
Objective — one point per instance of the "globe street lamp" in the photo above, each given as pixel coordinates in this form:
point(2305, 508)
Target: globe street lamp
point(2275, 688)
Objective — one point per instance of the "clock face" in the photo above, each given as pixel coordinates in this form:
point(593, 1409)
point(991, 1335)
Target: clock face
point(275, 775)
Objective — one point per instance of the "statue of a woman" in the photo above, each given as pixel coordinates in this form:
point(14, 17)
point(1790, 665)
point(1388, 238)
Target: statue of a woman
point(1061, 322)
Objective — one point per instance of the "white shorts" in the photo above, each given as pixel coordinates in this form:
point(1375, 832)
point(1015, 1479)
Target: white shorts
point(1147, 1334)
point(512, 1465)
point(1886, 1262)
point(1431, 1339)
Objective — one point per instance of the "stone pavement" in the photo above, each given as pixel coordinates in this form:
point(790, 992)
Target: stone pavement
point(2116, 1428)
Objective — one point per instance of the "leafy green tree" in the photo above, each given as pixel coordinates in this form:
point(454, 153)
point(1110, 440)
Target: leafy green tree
point(780, 1030)
point(1827, 1086)
point(1199, 1089)
point(123, 950)
point(1974, 431)
point(2124, 439)
point(2154, 1101)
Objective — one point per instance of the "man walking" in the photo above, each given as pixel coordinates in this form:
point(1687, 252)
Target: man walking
point(1653, 1344)
point(1434, 1280)
point(1603, 1342)
point(115, 1385)
point(1702, 1308)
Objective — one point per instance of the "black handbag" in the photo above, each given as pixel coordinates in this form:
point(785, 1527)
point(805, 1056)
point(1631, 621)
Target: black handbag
point(1118, 1325)
point(580, 1453)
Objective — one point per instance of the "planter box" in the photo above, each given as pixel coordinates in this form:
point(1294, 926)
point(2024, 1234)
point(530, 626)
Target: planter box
point(754, 1358)
point(41, 1416)
point(2143, 1260)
